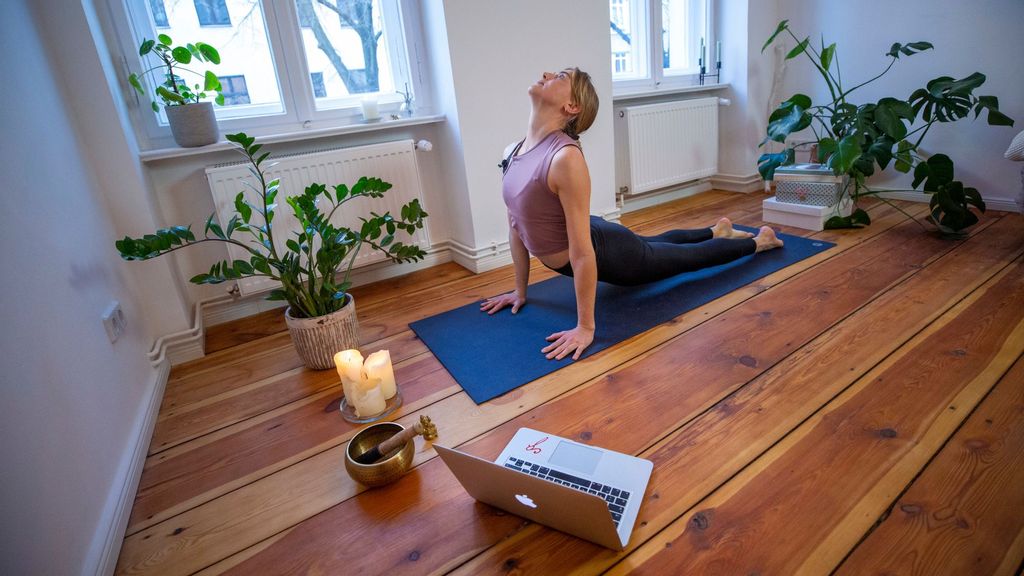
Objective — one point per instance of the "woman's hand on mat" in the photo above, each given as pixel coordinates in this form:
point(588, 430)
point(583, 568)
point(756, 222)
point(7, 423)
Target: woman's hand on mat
point(563, 343)
point(495, 303)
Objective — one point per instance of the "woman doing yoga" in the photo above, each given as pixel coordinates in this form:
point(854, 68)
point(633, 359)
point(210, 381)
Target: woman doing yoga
point(546, 188)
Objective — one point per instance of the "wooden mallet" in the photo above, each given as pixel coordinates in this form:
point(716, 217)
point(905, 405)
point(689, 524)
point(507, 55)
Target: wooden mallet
point(424, 426)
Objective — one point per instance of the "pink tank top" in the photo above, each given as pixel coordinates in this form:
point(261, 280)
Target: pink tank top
point(535, 211)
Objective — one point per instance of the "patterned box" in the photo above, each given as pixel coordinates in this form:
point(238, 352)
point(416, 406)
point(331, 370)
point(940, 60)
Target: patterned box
point(808, 184)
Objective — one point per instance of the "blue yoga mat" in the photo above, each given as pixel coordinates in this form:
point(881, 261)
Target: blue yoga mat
point(490, 355)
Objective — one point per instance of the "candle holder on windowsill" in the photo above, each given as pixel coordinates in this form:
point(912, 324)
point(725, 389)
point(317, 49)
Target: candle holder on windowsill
point(703, 73)
point(348, 412)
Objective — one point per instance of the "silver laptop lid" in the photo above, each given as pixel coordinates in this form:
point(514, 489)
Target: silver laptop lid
point(559, 507)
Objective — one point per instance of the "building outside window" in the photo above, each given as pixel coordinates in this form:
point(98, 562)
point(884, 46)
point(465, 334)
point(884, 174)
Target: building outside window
point(159, 13)
point(234, 90)
point(656, 43)
point(212, 12)
point(619, 62)
point(319, 90)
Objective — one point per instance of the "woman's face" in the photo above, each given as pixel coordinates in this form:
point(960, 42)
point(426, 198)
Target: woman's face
point(554, 88)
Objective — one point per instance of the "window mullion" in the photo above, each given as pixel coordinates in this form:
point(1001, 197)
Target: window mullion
point(286, 47)
point(655, 41)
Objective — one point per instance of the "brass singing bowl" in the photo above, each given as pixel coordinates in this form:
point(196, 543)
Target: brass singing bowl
point(392, 467)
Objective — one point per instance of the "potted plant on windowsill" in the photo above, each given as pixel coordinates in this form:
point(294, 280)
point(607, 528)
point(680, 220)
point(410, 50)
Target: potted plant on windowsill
point(192, 121)
point(314, 264)
point(856, 139)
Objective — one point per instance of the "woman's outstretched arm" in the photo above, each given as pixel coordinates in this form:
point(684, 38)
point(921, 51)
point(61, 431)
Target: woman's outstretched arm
point(521, 265)
point(569, 178)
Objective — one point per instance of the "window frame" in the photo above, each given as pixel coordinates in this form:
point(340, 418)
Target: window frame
point(651, 45)
point(298, 103)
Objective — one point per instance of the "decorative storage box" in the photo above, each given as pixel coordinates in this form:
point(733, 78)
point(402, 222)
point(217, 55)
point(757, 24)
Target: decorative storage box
point(809, 184)
point(802, 215)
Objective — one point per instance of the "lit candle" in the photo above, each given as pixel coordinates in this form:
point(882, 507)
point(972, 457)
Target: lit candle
point(350, 367)
point(718, 51)
point(378, 365)
point(370, 111)
point(369, 399)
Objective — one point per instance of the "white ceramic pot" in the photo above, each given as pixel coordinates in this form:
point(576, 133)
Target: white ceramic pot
point(193, 124)
point(318, 339)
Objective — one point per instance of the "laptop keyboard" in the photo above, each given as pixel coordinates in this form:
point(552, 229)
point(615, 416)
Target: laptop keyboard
point(615, 497)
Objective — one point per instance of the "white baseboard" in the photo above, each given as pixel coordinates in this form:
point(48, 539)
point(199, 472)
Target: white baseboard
point(634, 203)
point(480, 259)
point(107, 543)
point(745, 183)
point(998, 204)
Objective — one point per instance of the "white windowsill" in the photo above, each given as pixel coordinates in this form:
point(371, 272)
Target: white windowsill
point(384, 124)
point(667, 91)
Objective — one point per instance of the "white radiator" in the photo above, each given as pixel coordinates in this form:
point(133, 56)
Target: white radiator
point(393, 162)
point(660, 145)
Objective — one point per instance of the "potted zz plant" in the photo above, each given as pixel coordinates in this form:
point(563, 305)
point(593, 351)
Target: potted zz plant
point(314, 264)
point(192, 121)
point(854, 139)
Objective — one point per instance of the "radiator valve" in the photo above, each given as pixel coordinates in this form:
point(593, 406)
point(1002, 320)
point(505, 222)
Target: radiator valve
point(425, 145)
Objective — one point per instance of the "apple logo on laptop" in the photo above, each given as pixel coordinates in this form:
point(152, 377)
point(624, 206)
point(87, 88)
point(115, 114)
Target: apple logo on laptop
point(525, 500)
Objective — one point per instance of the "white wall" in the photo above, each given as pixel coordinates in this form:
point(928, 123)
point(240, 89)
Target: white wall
point(497, 50)
point(982, 36)
point(70, 401)
point(743, 25)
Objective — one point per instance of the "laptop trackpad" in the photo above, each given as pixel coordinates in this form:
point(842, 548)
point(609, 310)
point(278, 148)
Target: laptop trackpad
point(576, 457)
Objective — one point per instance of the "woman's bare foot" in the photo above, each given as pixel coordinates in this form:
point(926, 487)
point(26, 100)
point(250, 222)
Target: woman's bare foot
point(724, 229)
point(766, 239)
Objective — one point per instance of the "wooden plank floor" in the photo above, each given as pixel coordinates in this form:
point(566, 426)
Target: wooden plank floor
point(861, 411)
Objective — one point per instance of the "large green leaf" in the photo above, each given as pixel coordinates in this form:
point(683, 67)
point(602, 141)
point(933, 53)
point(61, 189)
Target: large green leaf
point(208, 52)
point(881, 150)
point(798, 49)
point(995, 117)
point(181, 54)
point(778, 30)
point(767, 163)
point(146, 47)
point(826, 146)
point(791, 116)
point(937, 171)
point(847, 152)
point(858, 219)
point(169, 96)
point(211, 81)
point(165, 39)
point(908, 49)
point(826, 56)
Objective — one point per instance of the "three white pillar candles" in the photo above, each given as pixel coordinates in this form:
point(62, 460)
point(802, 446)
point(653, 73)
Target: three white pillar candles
point(367, 384)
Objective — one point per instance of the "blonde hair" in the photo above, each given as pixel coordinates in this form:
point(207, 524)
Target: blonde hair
point(584, 95)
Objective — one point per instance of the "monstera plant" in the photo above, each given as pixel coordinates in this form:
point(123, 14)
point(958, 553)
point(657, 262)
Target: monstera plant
point(858, 139)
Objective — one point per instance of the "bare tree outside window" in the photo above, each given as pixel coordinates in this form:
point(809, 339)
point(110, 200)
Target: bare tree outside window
point(354, 14)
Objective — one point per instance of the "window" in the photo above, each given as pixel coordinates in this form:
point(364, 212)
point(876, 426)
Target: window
point(657, 43)
point(350, 39)
point(234, 90)
point(619, 62)
point(285, 64)
point(319, 90)
point(159, 13)
point(212, 13)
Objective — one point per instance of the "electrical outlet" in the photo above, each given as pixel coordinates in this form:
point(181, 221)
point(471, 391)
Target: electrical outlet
point(114, 321)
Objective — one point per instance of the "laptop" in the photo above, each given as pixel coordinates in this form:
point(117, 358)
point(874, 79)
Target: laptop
point(582, 490)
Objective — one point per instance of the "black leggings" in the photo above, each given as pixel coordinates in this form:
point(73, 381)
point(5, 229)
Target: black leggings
point(625, 258)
